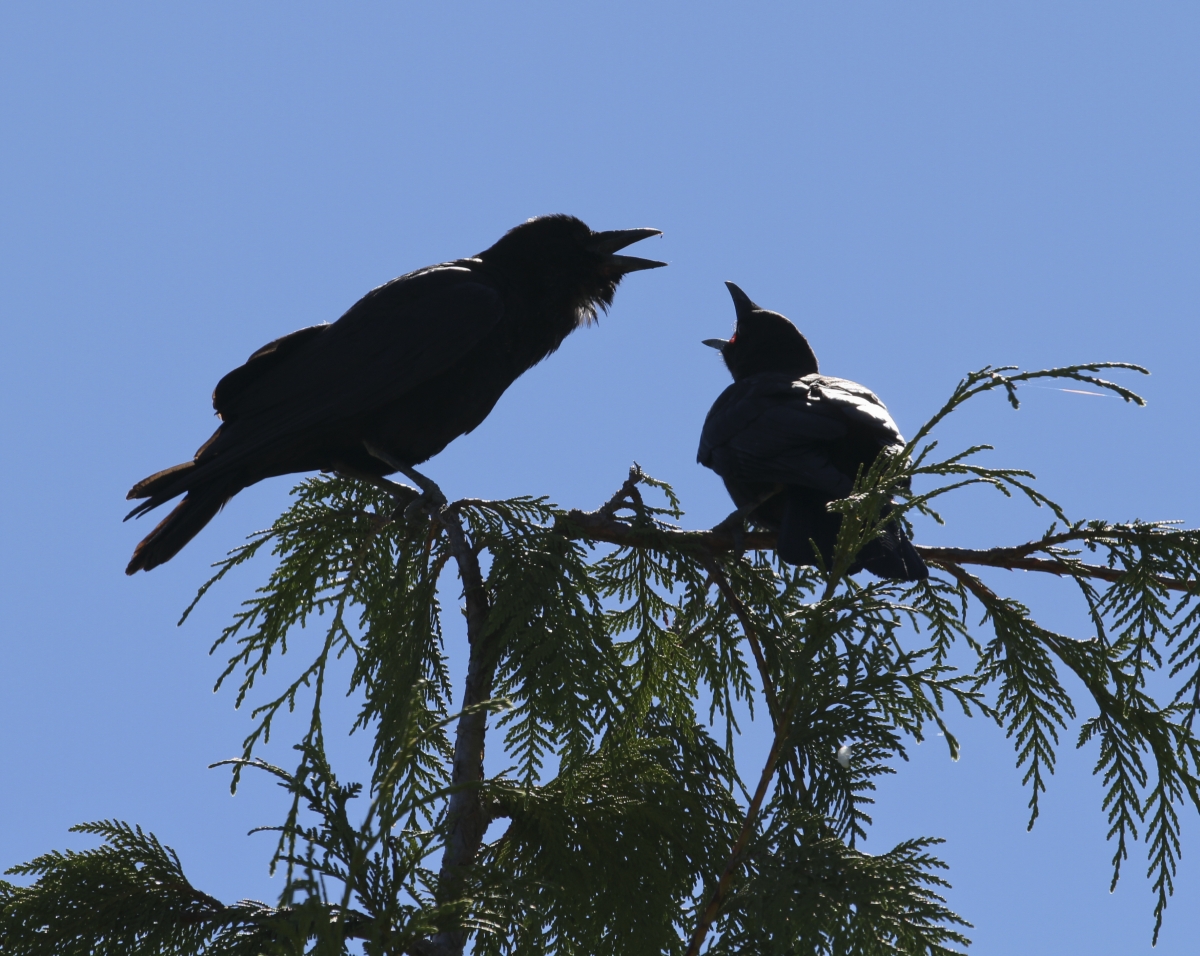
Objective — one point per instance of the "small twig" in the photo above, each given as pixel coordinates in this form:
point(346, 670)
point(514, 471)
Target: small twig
point(970, 582)
point(1054, 540)
point(626, 494)
point(1015, 559)
point(735, 856)
point(750, 630)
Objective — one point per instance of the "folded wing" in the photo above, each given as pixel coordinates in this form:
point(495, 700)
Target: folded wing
point(391, 341)
point(808, 432)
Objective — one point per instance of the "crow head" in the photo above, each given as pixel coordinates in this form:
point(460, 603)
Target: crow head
point(763, 341)
point(571, 269)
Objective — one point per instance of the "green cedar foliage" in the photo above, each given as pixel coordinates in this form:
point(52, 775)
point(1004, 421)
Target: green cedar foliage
point(613, 655)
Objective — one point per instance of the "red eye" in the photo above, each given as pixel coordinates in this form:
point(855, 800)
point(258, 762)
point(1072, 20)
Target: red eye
point(733, 338)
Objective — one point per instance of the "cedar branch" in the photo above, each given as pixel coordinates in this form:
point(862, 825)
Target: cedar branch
point(598, 526)
point(466, 817)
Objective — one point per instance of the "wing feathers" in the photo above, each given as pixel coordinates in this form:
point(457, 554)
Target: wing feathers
point(769, 427)
point(233, 386)
point(392, 340)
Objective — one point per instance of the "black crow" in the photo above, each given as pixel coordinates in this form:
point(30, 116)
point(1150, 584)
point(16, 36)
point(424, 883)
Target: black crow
point(787, 441)
point(411, 366)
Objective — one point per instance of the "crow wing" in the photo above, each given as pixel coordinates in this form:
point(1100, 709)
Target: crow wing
point(773, 428)
point(856, 405)
point(230, 389)
point(393, 339)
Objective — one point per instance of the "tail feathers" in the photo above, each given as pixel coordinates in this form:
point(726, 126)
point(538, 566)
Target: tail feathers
point(160, 487)
point(178, 528)
point(806, 520)
point(160, 481)
point(892, 555)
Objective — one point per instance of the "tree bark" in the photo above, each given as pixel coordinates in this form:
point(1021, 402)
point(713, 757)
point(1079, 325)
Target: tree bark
point(466, 817)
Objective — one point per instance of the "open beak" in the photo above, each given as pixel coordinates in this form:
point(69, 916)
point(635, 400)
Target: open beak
point(718, 344)
point(742, 303)
point(607, 244)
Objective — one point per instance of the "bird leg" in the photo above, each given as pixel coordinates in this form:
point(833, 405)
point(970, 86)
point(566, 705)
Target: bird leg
point(431, 498)
point(398, 491)
point(736, 522)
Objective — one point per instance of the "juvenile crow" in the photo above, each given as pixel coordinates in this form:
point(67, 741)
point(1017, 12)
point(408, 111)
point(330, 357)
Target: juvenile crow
point(787, 441)
point(411, 366)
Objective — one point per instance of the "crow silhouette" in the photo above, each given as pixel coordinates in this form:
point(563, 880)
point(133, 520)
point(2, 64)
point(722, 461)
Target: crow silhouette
point(411, 366)
point(787, 441)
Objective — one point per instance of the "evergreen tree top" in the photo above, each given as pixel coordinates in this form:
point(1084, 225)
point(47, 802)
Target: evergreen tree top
point(611, 654)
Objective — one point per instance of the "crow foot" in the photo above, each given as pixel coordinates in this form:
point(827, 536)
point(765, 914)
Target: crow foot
point(735, 524)
point(430, 500)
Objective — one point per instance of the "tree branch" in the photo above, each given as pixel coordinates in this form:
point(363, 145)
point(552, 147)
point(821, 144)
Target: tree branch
point(599, 526)
point(466, 818)
point(1015, 559)
point(782, 731)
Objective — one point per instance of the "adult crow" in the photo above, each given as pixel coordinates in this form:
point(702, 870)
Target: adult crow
point(411, 366)
point(787, 441)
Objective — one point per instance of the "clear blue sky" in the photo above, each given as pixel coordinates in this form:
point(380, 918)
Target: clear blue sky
point(923, 187)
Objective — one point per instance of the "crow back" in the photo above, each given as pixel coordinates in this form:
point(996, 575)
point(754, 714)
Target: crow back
point(855, 405)
point(393, 339)
point(230, 388)
point(811, 432)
